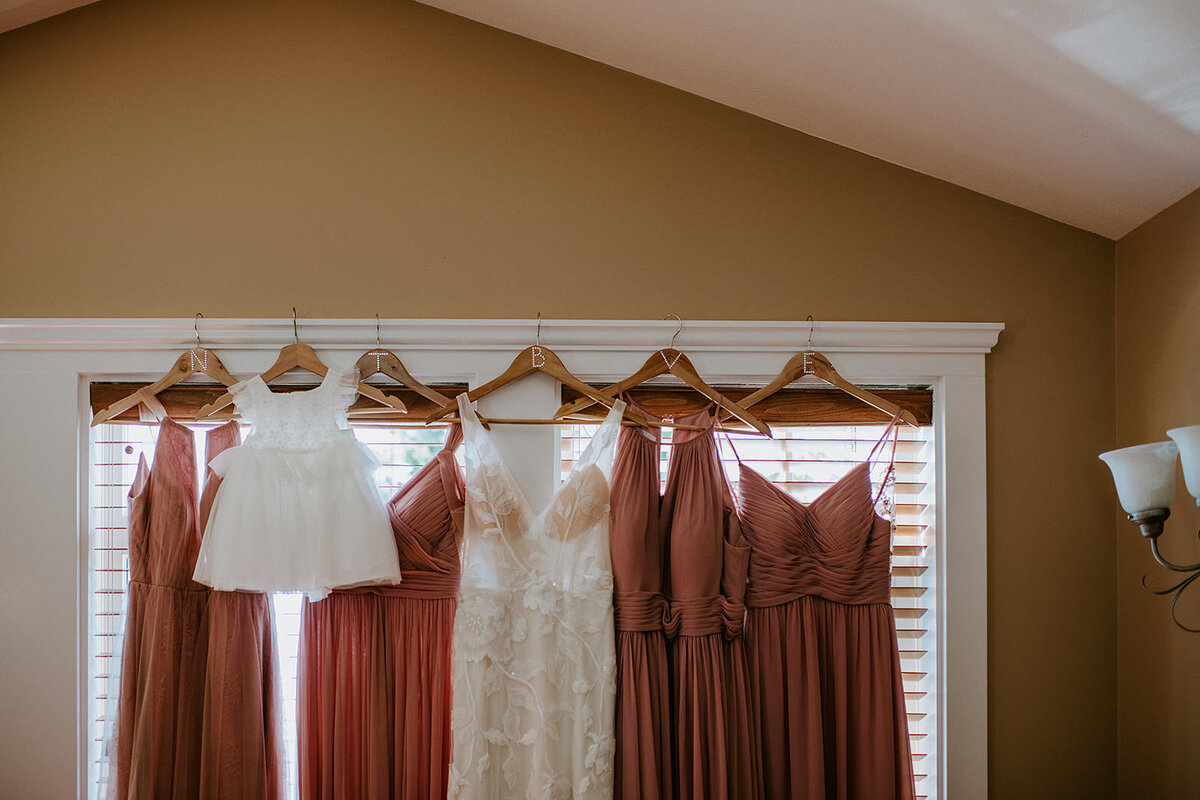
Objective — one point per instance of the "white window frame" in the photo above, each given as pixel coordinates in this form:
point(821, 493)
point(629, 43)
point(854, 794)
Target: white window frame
point(47, 364)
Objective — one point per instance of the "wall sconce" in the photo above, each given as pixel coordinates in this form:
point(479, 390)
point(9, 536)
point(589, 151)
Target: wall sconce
point(1145, 479)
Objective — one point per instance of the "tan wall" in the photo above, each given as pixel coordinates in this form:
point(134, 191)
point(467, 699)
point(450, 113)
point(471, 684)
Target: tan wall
point(1158, 387)
point(238, 158)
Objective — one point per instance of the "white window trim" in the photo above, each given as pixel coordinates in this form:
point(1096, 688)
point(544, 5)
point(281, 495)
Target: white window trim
point(46, 365)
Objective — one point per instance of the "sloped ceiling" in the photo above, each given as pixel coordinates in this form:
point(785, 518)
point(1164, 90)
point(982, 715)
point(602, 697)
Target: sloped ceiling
point(1086, 111)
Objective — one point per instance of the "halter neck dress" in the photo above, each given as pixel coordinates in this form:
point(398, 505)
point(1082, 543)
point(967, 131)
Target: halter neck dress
point(643, 760)
point(821, 634)
point(714, 722)
point(374, 670)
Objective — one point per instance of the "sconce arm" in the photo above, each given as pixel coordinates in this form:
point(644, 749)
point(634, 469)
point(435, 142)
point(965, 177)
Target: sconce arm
point(1168, 564)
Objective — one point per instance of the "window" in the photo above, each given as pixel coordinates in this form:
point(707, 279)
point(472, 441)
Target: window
point(804, 460)
point(115, 450)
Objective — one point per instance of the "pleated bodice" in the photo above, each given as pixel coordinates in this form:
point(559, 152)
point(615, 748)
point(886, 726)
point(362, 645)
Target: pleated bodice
point(707, 556)
point(836, 547)
point(164, 537)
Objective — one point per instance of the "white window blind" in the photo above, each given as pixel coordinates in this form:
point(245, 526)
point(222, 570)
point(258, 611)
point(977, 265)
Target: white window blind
point(805, 460)
point(115, 450)
point(801, 459)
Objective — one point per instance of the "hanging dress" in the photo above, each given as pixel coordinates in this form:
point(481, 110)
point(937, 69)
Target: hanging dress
point(822, 639)
point(534, 653)
point(157, 732)
point(241, 748)
point(643, 759)
point(715, 725)
point(374, 669)
point(297, 509)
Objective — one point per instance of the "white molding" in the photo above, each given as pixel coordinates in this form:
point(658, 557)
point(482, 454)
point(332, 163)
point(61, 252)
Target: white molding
point(501, 334)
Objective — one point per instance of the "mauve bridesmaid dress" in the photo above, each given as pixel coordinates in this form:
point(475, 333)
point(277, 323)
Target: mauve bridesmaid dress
point(374, 672)
point(196, 711)
point(643, 759)
point(714, 722)
point(241, 749)
point(160, 702)
point(822, 640)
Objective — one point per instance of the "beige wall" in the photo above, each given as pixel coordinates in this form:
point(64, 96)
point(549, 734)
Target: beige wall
point(1158, 387)
point(238, 158)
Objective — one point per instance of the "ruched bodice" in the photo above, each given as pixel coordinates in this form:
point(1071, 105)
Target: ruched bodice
point(637, 543)
point(836, 547)
point(426, 515)
point(707, 555)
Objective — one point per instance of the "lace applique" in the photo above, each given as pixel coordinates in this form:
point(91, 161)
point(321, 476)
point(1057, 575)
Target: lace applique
point(297, 421)
point(534, 648)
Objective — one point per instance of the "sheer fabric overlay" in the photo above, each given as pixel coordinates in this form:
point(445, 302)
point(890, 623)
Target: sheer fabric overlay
point(534, 658)
point(297, 509)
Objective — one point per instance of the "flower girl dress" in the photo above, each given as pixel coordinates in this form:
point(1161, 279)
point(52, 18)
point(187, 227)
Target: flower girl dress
point(297, 509)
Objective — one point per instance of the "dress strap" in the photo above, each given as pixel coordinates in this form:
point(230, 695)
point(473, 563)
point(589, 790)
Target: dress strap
point(894, 429)
point(729, 440)
point(454, 437)
point(469, 419)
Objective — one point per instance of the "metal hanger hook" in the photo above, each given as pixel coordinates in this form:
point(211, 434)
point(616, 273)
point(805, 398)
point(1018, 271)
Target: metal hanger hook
point(678, 328)
point(538, 338)
point(378, 341)
point(811, 327)
point(196, 327)
point(295, 330)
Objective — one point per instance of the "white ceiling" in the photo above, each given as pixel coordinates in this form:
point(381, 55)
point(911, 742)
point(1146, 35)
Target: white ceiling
point(1087, 111)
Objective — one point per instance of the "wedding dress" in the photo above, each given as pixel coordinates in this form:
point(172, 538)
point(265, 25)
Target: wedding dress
point(534, 650)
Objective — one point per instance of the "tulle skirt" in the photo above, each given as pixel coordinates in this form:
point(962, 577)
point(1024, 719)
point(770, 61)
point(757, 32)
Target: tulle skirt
point(297, 521)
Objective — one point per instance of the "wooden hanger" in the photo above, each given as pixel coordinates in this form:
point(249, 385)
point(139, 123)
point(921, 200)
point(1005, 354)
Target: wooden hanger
point(300, 356)
point(673, 362)
point(194, 360)
point(536, 358)
point(810, 362)
point(382, 360)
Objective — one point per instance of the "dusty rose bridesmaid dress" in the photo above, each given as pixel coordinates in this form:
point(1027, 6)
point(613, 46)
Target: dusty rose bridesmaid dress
point(241, 747)
point(714, 722)
point(160, 702)
point(643, 759)
point(374, 672)
point(197, 704)
point(822, 640)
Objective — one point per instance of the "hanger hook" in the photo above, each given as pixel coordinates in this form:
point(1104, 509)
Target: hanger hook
point(295, 330)
point(378, 341)
point(196, 327)
point(538, 337)
point(678, 328)
point(811, 327)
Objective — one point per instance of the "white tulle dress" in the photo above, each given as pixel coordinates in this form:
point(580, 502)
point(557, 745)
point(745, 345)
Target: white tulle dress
point(297, 509)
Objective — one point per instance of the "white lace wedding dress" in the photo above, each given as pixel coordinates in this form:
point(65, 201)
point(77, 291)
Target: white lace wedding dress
point(534, 651)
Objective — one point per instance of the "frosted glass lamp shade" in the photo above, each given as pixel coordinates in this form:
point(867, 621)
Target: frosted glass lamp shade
point(1145, 475)
point(1188, 441)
